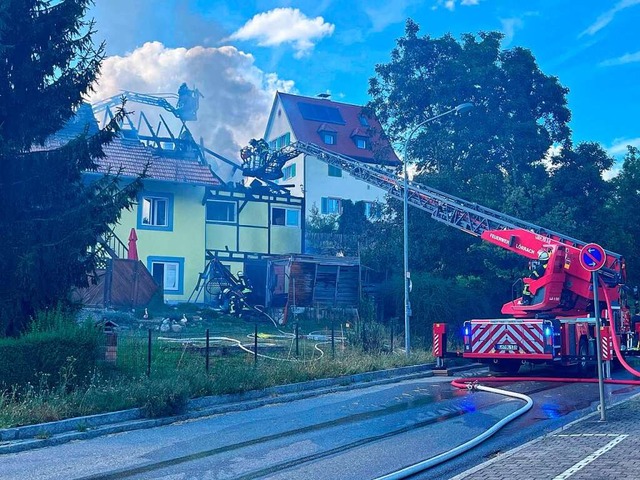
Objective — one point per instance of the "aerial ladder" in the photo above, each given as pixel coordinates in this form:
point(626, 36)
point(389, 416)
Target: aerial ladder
point(555, 325)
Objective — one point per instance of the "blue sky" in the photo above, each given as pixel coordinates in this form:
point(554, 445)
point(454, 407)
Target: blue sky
point(238, 53)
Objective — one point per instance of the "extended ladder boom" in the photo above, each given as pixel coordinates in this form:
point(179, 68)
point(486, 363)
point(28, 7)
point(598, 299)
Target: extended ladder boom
point(566, 287)
point(461, 214)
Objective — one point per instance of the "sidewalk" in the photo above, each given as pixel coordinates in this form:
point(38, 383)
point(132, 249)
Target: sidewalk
point(584, 449)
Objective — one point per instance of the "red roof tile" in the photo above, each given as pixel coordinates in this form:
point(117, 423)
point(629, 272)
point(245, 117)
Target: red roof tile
point(325, 127)
point(307, 130)
point(130, 157)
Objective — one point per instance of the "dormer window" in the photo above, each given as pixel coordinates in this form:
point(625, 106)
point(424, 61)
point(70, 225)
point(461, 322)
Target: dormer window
point(329, 138)
point(328, 134)
point(360, 138)
point(363, 121)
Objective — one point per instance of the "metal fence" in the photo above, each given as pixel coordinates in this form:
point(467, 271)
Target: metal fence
point(159, 352)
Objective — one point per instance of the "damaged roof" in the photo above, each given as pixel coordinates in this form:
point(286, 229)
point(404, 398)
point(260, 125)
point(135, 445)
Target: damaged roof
point(129, 156)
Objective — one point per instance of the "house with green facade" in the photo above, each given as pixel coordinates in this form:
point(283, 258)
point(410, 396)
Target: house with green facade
point(186, 214)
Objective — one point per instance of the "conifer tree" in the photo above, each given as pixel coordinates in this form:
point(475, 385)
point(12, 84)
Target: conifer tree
point(51, 211)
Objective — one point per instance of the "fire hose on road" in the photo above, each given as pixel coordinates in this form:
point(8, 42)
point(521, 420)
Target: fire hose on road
point(474, 384)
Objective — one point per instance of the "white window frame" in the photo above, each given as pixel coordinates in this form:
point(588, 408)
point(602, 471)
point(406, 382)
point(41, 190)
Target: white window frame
point(150, 209)
point(361, 143)
point(331, 137)
point(172, 270)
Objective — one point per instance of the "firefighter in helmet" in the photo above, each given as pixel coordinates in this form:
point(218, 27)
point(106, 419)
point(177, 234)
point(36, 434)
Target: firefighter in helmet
point(537, 271)
point(238, 295)
point(245, 284)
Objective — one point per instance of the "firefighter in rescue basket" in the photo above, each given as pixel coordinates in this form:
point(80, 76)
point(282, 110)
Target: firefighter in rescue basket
point(537, 270)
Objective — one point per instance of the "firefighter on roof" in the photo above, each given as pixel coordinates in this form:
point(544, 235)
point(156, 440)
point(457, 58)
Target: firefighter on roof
point(537, 271)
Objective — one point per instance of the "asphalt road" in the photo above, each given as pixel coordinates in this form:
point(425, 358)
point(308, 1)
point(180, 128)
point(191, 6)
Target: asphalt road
point(356, 434)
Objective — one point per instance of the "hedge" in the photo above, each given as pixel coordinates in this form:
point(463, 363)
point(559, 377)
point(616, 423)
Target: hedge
point(49, 358)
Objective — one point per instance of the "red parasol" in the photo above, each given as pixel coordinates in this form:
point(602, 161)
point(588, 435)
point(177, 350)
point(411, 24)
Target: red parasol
point(132, 254)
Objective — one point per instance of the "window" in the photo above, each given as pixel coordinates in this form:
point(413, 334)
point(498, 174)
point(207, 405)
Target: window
point(330, 205)
point(363, 121)
point(281, 141)
point(335, 171)
point(219, 211)
point(293, 217)
point(155, 211)
point(289, 171)
point(371, 210)
point(329, 138)
point(361, 143)
point(288, 217)
point(168, 272)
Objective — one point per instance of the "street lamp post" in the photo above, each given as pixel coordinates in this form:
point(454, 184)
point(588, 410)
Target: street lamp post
point(405, 187)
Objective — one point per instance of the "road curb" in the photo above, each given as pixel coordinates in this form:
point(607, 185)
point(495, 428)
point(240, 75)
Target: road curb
point(13, 440)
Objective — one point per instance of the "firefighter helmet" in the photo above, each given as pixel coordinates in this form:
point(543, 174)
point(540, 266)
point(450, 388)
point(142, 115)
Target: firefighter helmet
point(543, 256)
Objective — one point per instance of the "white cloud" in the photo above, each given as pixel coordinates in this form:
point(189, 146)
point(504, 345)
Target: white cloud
point(619, 150)
point(237, 94)
point(384, 13)
point(624, 59)
point(451, 4)
point(607, 17)
point(619, 147)
point(509, 27)
point(285, 26)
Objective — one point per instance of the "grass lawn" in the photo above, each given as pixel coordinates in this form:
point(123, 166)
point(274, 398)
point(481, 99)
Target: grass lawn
point(178, 372)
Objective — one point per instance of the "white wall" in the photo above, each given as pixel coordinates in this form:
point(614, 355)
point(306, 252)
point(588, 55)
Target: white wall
point(318, 184)
point(312, 179)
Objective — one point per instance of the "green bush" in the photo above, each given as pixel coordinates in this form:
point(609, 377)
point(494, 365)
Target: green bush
point(53, 352)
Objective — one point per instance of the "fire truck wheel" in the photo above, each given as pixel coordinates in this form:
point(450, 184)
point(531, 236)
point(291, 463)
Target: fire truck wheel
point(505, 366)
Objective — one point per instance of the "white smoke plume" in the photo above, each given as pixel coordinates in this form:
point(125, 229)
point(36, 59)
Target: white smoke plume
point(237, 94)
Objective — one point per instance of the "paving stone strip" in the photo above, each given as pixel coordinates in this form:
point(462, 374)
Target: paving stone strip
point(584, 449)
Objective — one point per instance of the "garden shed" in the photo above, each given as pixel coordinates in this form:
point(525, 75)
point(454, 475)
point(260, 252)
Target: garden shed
point(313, 281)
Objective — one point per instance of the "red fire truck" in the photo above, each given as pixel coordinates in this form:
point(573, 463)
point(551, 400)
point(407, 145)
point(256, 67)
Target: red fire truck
point(556, 324)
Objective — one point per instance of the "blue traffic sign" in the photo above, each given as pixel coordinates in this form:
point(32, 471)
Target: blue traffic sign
point(592, 257)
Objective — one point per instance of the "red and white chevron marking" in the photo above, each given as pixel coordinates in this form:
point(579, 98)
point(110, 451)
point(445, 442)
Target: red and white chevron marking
point(528, 337)
point(436, 345)
point(607, 348)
